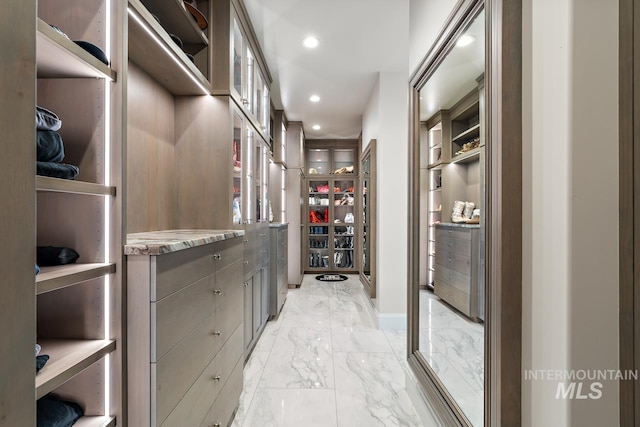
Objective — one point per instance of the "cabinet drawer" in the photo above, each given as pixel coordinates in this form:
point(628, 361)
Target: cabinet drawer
point(227, 401)
point(456, 233)
point(453, 296)
point(454, 260)
point(213, 381)
point(453, 278)
point(228, 282)
point(227, 317)
point(175, 373)
point(175, 316)
point(227, 252)
point(177, 270)
point(451, 244)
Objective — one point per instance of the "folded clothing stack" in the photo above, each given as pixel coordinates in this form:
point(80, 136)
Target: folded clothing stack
point(54, 412)
point(50, 149)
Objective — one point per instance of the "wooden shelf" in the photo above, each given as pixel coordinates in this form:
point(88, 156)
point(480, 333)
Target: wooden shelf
point(45, 183)
point(472, 130)
point(153, 50)
point(61, 276)
point(175, 19)
point(59, 57)
point(95, 421)
point(67, 358)
point(469, 156)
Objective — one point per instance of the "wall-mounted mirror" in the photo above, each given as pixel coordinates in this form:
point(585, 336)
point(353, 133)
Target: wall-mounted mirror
point(449, 313)
point(368, 231)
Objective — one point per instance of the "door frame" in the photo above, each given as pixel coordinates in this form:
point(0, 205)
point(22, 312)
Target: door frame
point(629, 208)
point(503, 305)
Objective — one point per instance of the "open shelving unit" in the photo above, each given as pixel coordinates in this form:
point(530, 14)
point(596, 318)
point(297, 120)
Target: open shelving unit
point(78, 306)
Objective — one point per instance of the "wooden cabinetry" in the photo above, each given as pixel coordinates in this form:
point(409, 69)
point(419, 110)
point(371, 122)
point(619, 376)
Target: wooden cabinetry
point(331, 202)
point(78, 306)
point(457, 269)
point(185, 348)
point(453, 170)
point(278, 267)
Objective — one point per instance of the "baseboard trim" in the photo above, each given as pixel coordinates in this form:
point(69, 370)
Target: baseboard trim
point(392, 321)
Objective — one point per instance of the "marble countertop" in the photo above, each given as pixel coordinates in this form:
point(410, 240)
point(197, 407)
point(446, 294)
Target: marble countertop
point(459, 225)
point(167, 241)
point(278, 224)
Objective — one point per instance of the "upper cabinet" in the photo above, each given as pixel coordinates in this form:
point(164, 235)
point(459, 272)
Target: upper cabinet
point(331, 157)
point(239, 68)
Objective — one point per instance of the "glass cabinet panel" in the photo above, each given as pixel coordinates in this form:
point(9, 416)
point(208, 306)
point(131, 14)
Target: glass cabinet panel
point(344, 223)
point(266, 109)
point(265, 183)
point(319, 161)
point(236, 205)
point(249, 100)
point(249, 211)
point(343, 160)
point(237, 58)
point(259, 103)
point(319, 193)
point(366, 242)
point(257, 179)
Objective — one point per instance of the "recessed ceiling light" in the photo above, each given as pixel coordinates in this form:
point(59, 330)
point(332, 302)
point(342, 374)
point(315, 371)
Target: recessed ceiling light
point(465, 40)
point(310, 42)
point(314, 98)
point(315, 127)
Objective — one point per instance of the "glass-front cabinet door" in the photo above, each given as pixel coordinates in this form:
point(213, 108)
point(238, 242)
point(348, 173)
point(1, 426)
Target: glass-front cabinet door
point(249, 198)
point(319, 161)
point(238, 142)
point(249, 95)
point(343, 224)
point(344, 160)
point(237, 60)
point(318, 225)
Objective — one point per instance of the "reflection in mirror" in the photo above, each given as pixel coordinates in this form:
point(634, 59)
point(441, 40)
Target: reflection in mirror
point(368, 187)
point(452, 202)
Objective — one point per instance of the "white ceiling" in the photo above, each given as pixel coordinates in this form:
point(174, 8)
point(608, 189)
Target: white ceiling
point(358, 39)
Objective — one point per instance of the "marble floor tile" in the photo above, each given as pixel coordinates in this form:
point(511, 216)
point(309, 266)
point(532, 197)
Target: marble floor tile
point(352, 318)
point(398, 341)
point(341, 302)
point(268, 337)
point(251, 376)
point(359, 339)
point(370, 391)
point(307, 311)
point(292, 408)
point(300, 358)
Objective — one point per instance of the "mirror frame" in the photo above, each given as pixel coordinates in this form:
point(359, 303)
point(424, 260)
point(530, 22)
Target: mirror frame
point(503, 166)
point(370, 152)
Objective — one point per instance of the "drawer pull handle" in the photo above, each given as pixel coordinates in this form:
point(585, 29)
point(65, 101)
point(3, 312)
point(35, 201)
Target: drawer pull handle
point(216, 333)
point(449, 259)
point(217, 292)
point(217, 256)
point(217, 378)
point(245, 240)
point(246, 263)
point(217, 425)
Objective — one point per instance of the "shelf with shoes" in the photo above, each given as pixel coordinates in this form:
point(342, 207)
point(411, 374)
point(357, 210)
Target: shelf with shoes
point(59, 57)
point(332, 203)
point(153, 49)
point(184, 19)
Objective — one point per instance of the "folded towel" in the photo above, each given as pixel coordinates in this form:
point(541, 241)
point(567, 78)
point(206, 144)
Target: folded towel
point(50, 147)
point(57, 170)
point(47, 120)
point(53, 412)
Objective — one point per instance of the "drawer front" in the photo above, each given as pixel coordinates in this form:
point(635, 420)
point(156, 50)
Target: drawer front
point(450, 244)
point(454, 261)
point(177, 270)
point(227, 318)
point(175, 373)
point(197, 402)
point(227, 401)
point(178, 314)
point(456, 233)
point(228, 282)
point(453, 296)
point(227, 252)
point(453, 278)
point(249, 260)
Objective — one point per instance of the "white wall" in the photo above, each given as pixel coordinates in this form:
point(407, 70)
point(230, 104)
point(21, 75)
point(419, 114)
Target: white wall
point(371, 117)
point(570, 278)
point(392, 187)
